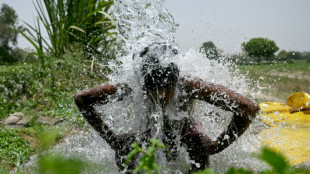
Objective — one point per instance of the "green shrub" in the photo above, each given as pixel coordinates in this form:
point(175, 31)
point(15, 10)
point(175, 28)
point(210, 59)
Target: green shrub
point(50, 89)
point(86, 22)
point(17, 85)
point(12, 146)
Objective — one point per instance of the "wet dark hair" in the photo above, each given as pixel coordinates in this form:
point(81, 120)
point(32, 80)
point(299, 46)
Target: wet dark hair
point(157, 76)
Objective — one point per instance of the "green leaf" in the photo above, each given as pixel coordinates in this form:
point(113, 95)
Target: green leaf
point(77, 28)
point(206, 171)
point(276, 161)
point(233, 170)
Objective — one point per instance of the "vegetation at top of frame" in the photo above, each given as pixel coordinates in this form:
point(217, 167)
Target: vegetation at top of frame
point(86, 23)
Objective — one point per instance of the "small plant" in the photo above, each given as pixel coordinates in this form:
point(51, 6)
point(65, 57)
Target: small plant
point(147, 164)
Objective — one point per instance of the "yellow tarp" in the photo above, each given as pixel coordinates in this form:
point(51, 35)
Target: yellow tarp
point(288, 133)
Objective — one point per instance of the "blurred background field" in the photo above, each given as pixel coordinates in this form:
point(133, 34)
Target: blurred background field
point(278, 80)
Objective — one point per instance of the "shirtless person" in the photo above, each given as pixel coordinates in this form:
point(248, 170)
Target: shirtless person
point(160, 85)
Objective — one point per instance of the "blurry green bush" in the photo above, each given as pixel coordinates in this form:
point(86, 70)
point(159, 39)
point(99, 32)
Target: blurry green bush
point(50, 89)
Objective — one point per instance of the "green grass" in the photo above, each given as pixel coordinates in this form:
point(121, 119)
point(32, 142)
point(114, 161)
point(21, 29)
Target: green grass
point(279, 80)
point(13, 146)
point(42, 91)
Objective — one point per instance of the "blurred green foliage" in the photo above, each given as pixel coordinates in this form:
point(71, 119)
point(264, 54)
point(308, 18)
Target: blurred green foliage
point(56, 163)
point(147, 163)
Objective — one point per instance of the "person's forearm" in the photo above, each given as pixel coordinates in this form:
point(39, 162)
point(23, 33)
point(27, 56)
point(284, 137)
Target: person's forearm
point(236, 128)
point(221, 97)
point(100, 94)
point(94, 95)
point(95, 120)
point(86, 107)
point(86, 100)
point(244, 110)
point(227, 99)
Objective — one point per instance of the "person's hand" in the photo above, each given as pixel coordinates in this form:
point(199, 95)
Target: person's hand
point(123, 90)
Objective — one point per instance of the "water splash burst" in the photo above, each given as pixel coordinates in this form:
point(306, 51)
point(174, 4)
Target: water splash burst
point(140, 24)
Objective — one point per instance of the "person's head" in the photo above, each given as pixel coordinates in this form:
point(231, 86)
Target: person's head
point(159, 77)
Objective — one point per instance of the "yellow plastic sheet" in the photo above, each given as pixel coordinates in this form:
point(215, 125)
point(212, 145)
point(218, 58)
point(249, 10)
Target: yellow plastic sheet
point(288, 133)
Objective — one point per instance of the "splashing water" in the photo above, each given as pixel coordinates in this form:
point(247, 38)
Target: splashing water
point(141, 23)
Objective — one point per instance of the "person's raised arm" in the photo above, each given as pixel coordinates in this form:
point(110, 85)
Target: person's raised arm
point(86, 100)
point(244, 110)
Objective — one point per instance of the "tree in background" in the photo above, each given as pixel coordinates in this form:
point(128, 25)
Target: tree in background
point(210, 50)
point(294, 55)
point(282, 55)
point(8, 34)
point(307, 56)
point(260, 48)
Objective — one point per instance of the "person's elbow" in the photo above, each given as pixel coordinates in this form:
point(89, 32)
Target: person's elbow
point(79, 99)
point(254, 110)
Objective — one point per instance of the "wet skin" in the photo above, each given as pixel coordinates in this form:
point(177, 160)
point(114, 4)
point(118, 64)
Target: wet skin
point(197, 143)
